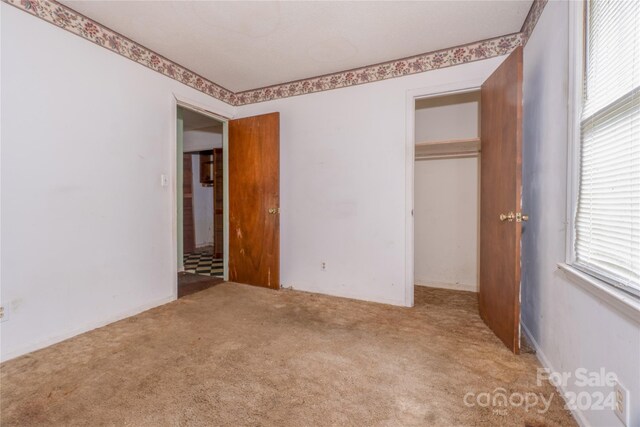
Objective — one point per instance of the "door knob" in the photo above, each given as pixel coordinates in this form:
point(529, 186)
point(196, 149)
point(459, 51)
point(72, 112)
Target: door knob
point(507, 217)
point(519, 217)
point(274, 211)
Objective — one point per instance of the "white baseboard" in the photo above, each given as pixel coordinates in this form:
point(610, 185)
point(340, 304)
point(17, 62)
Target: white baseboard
point(453, 286)
point(342, 294)
point(544, 361)
point(89, 327)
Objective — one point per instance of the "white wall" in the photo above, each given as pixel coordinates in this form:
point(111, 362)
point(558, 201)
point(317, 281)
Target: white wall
point(86, 226)
point(449, 117)
point(202, 206)
point(202, 139)
point(571, 327)
point(342, 155)
point(446, 223)
point(446, 196)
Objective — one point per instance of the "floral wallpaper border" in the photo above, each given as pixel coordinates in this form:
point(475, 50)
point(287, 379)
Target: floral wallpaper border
point(72, 21)
point(387, 70)
point(76, 23)
point(532, 19)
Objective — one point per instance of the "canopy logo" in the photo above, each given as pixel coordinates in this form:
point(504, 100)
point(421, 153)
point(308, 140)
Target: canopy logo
point(500, 401)
point(581, 389)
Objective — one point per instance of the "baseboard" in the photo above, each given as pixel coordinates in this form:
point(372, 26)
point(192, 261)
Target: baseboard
point(544, 361)
point(452, 286)
point(340, 294)
point(91, 326)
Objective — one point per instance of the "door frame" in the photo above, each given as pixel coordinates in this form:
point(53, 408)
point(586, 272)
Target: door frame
point(222, 115)
point(411, 97)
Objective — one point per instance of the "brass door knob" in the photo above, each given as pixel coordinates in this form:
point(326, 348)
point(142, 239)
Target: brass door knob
point(274, 211)
point(507, 217)
point(519, 217)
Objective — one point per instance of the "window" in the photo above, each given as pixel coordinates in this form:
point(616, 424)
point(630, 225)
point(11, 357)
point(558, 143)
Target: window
point(607, 214)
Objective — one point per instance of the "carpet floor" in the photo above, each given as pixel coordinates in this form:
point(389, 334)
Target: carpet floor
point(235, 355)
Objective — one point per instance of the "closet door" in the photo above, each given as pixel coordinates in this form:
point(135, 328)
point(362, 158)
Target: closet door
point(500, 200)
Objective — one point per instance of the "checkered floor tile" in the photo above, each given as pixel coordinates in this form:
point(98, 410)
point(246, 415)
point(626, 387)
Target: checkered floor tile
point(203, 263)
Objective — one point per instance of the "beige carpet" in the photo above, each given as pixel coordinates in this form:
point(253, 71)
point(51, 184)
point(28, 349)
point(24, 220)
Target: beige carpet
point(236, 355)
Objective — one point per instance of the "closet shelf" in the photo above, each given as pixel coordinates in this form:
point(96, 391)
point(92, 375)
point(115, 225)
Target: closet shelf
point(447, 149)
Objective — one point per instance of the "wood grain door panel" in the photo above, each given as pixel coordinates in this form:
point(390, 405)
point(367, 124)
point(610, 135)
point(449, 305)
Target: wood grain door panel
point(254, 189)
point(218, 200)
point(501, 192)
point(188, 222)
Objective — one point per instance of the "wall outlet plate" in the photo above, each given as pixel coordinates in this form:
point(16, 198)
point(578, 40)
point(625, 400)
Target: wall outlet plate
point(621, 402)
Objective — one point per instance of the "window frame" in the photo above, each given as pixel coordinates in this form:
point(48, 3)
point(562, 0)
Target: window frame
point(578, 15)
point(577, 49)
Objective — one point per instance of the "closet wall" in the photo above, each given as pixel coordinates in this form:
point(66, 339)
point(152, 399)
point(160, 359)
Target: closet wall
point(446, 196)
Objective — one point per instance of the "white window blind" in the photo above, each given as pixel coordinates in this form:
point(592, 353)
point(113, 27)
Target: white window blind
point(607, 223)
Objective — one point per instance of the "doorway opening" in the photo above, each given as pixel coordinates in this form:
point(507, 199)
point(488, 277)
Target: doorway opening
point(200, 200)
point(446, 196)
point(236, 162)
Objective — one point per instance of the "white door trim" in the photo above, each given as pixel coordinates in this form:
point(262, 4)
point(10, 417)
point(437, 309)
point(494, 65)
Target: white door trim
point(224, 116)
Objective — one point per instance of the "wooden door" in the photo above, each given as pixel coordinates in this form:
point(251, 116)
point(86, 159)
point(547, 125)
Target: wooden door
point(254, 200)
point(500, 194)
point(218, 243)
point(188, 222)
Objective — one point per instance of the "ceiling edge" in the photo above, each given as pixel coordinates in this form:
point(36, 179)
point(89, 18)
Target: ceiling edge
point(68, 19)
point(532, 19)
point(387, 70)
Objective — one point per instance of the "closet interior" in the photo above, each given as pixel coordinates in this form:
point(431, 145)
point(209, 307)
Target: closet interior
point(446, 191)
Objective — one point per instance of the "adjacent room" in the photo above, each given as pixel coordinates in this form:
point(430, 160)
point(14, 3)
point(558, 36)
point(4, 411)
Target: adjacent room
point(320, 213)
point(201, 244)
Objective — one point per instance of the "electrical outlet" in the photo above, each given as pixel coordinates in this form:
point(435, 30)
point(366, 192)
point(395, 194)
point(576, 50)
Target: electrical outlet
point(621, 403)
point(323, 266)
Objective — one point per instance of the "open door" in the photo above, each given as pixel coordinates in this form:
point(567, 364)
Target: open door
point(254, 200)
point(500, 200)
point(188, 221)
point(218, 204)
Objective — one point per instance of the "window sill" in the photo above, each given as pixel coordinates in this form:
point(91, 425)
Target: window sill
point(620, 300)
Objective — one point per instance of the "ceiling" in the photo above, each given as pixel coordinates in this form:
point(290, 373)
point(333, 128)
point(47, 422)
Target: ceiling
point(193, 121)
point(246, 45)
